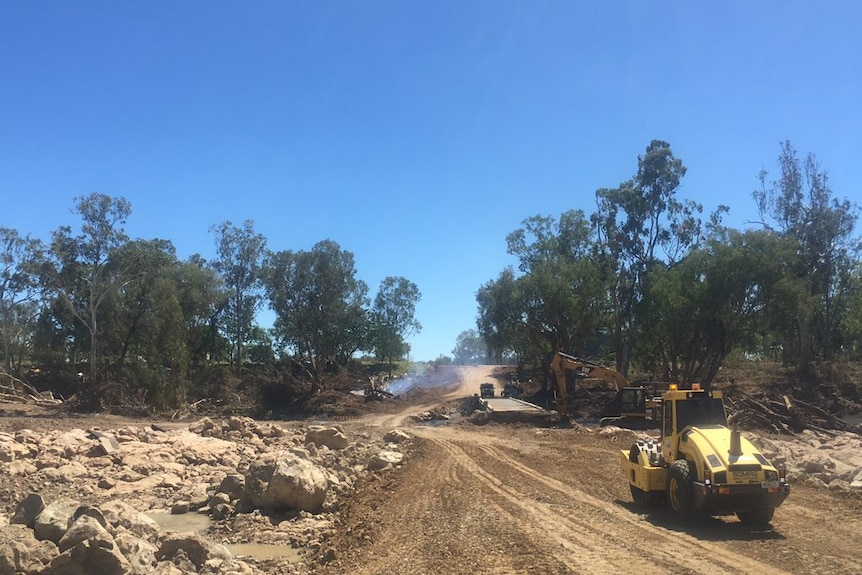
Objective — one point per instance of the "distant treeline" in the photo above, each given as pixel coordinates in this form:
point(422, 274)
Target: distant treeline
point(138, 323)
point(645, 280)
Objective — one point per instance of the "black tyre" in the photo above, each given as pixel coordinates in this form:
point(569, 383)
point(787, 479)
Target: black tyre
point(639, 496)
point(680, 490)
point(756, 517)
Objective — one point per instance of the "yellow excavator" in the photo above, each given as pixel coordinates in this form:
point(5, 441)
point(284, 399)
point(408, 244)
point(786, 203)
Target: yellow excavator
point(633, 407)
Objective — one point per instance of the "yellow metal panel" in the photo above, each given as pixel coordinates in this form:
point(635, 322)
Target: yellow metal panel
point(646, 478)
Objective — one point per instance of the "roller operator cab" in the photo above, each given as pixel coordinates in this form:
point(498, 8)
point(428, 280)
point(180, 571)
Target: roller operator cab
point(700, 466)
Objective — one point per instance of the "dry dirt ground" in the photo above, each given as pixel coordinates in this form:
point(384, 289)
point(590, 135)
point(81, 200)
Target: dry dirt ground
point(513, 498)
point(500, 499)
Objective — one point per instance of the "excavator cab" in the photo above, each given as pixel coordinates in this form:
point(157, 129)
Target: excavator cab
point(632, 400)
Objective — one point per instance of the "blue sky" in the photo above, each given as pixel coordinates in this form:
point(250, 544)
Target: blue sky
point(414, 134)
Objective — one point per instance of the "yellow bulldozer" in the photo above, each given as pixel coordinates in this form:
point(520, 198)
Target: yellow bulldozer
point(700, 467)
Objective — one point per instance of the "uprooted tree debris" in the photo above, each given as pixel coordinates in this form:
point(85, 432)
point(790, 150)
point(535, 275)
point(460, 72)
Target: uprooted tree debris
point(15, 390)
point(784, 414)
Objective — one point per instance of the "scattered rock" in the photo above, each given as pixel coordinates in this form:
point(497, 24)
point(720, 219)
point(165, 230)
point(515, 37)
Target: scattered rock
point(385, 460)
point(331, 437)
point(396, 436)
point(52, 522)
point(28, 509)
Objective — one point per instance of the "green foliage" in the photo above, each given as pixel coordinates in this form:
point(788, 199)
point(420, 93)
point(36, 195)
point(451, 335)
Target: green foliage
point(240, 258)
point(82, 272)
point(642, 279)
point(714, 301)
point(677, 294)
point(319, 304)
point(201, 297)
point(19, 287)
point(799, 206)
point(469, 349)
point(393, 318)
point(499, 318)
point(560, 301)
point(642, 225)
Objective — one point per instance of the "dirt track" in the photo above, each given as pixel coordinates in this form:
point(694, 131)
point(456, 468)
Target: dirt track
point(501, 499)
point(514, 498)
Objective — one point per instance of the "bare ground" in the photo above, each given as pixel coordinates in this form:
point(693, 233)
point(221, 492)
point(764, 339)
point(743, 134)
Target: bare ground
point(501, 499)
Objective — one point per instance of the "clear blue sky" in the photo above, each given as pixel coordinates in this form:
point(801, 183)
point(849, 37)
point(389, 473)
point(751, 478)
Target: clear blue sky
point(414, 134)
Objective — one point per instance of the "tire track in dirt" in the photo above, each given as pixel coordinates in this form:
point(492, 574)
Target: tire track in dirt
point(498, 500)
point(417, 516)
point(667, 546)
point(596, 536)
point(541, 521)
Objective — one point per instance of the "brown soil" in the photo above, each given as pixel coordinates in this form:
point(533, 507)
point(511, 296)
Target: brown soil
point(501, 499)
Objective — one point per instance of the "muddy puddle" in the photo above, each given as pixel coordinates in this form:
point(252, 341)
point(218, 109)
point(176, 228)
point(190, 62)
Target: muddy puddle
point(201, 523)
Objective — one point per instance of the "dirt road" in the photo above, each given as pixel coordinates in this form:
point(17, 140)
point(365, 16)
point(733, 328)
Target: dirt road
point(502, 499)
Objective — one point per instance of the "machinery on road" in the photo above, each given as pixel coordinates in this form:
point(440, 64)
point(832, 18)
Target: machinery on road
point(633, 407)
point(512, 388)
point(486, 390)
point(700, 466)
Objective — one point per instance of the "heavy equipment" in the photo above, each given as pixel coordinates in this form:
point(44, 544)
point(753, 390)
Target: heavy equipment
point(486, 390)
point(700, 466)
point(512, 388)
point(633, 407)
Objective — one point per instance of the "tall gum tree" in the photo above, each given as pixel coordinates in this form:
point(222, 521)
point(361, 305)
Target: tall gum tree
point(560, 299)
point(241, 252)
point(319, 304)
point(641, 224)
point(19, 288)
point(394, 314)
point(799, 205)
point(81, 272)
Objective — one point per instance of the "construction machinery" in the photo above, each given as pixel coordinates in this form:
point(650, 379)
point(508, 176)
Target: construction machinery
point(700, 466)
point(512, 388)
point(633, 407)
point(486, 390)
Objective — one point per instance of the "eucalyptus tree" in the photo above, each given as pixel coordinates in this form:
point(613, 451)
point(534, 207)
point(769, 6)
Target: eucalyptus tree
point(799, 205)
point(146, 302)
point(716, 300)
point(560, 300)
point(499, 317)
point(394, 318)
point(469, 348)
point(82, 272)
point(202, 298)
point(19, 290)
point(853, 323)
point(144, 329)
point(241, 252)
point(642, 223)
point(319, 303)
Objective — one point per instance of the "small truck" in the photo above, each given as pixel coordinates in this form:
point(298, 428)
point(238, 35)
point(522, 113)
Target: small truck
point(486, 390)
point(700, 467)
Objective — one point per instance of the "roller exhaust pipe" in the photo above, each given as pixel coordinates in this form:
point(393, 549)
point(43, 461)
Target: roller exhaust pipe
point(735, 443)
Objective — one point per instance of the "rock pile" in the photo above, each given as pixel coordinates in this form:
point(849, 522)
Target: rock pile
point(821, 459)
point(77, 499)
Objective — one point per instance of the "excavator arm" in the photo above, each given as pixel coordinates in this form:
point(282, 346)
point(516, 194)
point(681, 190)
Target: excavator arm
point(561, 363)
